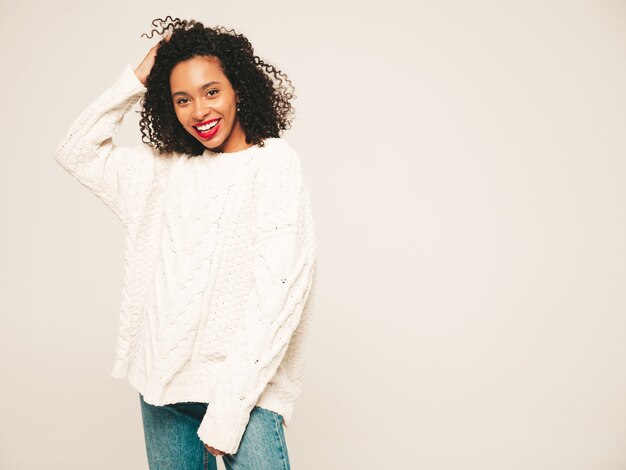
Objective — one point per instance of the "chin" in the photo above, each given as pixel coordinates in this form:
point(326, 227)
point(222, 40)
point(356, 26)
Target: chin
point(211, 145)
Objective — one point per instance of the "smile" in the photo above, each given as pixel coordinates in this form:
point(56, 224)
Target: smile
point(207, 130)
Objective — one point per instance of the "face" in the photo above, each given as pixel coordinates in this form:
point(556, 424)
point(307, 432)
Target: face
point(203, 97)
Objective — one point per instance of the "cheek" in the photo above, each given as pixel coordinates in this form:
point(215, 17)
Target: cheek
point(180, 115)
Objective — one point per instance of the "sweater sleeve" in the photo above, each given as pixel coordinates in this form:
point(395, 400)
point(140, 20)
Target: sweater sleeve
point(283, 268)
point(87, 151)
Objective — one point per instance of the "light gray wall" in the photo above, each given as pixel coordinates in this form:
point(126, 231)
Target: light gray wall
point(466, 163)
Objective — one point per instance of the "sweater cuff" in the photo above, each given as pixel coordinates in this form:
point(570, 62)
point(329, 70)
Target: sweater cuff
point(129, 81)
point(223, 425)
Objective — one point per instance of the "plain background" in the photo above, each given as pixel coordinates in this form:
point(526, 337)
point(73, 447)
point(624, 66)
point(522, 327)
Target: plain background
point(466, 163)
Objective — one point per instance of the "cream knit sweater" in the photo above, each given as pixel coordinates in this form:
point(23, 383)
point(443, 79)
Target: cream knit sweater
point(219, 266)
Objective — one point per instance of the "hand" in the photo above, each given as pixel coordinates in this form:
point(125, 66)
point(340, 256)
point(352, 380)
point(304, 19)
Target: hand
point(143, 70)
point(213, 450)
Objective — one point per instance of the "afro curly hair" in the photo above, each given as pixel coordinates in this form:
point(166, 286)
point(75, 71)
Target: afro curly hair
point(264, 91)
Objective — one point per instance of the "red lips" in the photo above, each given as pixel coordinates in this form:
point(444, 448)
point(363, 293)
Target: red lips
point(205, 122)
point(211, 132)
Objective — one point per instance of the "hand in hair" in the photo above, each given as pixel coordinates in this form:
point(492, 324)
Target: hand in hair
point(143, 70)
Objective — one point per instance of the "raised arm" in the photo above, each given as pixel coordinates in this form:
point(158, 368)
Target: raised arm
point(87, 151)
point(284, 262)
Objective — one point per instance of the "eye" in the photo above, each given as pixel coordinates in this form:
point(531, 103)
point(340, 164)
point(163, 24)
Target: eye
point(180, 100)
point(209, 93)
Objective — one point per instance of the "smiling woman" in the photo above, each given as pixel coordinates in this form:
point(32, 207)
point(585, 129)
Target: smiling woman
point(206, 104)
point(204, 74)
point(221, 253)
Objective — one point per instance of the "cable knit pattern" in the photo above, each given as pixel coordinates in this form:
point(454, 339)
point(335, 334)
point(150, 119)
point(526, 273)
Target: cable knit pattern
point(219, 267)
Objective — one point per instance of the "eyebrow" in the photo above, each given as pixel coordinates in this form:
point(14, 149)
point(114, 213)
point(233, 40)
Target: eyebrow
point(203, 87)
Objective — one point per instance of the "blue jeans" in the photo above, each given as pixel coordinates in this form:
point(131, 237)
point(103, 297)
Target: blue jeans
point(172, 442)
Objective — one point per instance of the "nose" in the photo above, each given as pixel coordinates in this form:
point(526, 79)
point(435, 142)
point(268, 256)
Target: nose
point(200, 111)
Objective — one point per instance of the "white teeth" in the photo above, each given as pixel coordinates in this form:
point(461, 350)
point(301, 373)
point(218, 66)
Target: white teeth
point(207, 127)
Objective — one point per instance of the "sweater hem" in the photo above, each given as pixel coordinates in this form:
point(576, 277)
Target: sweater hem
point(190, 385)
point(270, 401)
point(193, 385)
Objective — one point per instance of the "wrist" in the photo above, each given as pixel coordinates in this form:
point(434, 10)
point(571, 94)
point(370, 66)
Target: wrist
point(140, 77)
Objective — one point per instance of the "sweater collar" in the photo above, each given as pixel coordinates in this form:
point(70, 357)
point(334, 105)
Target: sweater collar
point(270, 142)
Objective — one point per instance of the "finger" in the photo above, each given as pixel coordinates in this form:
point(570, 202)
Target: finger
point(166, 39)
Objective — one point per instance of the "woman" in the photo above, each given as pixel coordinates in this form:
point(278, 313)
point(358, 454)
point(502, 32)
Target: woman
point(220, 246)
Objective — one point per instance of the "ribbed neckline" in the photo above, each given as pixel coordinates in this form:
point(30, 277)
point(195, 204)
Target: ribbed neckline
point(269, 142)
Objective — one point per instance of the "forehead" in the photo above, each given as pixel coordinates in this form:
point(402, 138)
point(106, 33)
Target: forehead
point(191, 74)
